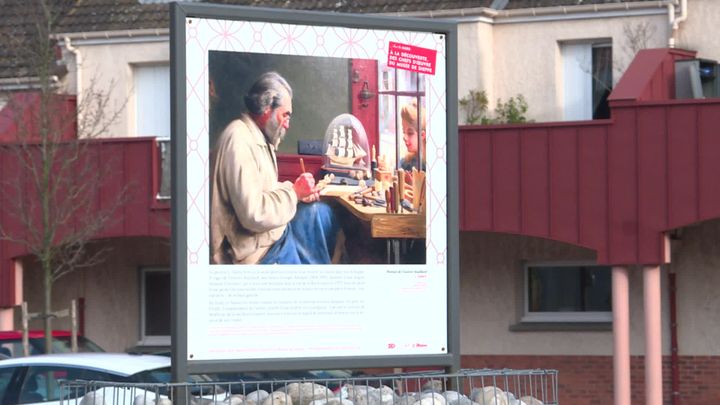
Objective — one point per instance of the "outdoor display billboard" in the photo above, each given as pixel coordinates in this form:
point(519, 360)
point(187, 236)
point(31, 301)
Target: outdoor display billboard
point(314, 200)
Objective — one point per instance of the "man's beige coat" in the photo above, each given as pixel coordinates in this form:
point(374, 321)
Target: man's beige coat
point(248, 206)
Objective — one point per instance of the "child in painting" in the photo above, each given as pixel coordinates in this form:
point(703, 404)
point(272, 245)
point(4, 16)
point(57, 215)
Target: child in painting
point(410, 127)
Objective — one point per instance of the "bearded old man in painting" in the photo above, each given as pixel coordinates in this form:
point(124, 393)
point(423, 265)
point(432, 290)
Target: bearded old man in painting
point(254, 218)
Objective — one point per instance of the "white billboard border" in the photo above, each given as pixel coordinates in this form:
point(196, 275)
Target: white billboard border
point(181, 365)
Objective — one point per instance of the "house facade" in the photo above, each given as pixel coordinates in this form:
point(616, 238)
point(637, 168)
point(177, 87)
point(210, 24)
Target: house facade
point(540, 256)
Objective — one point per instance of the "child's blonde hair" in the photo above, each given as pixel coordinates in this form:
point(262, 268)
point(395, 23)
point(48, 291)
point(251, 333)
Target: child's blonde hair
point(409, 114)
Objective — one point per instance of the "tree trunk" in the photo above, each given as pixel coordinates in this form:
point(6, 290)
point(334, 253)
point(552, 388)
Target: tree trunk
point(47, 304)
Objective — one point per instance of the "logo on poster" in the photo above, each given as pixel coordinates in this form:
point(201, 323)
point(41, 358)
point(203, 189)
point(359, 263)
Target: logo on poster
point(412, 58)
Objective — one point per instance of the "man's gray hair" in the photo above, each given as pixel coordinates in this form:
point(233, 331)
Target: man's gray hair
point(266, 92)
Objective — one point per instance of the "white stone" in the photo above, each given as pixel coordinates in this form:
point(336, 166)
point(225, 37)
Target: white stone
point(456, 398)
point(148, 398)
point(257, 396)
point(92, 398)
point(489, 396)
point(408, 399)
point(237, 399)
point(362, 394)
point(332, 401)
point(438, 398)
point(433, 385)
point(306, 392)
point(452, 395)
point(278, 398)
point(530, 400)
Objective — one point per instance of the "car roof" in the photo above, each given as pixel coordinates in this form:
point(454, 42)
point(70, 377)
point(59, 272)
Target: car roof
point(122, 364)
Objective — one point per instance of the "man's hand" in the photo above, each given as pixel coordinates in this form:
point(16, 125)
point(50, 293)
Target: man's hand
point(305, 188)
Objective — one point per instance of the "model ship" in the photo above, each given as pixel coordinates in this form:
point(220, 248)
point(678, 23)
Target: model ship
point(341, 150)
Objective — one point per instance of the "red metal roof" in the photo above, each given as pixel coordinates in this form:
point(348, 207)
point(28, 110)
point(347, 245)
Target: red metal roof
point(615, 185)
point(19, 117)
point(134, 164)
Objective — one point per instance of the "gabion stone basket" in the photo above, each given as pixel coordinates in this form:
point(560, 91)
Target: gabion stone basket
point(467, 387)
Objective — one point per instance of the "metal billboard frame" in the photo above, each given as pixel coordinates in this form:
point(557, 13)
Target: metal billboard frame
point(180, 364)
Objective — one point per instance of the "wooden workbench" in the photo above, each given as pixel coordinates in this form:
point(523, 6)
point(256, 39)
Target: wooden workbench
point(382, 224)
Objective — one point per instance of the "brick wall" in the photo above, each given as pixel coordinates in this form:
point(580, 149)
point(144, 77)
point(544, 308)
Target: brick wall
point(588, 380)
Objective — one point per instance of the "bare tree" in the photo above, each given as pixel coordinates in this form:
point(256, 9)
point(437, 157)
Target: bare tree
point(635, 37)
point(638, 36)
point(53, 194)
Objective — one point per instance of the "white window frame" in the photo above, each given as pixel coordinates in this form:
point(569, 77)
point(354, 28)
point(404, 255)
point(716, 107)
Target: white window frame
point(558, 317)
point(156, 101)
point(577, 78)
point(153, 340)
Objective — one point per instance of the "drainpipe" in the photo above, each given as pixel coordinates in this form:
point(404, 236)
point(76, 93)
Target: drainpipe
point(78, 80)
point(653, 334)
point(672, 238)
point(674, 367)
point(675, 21)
